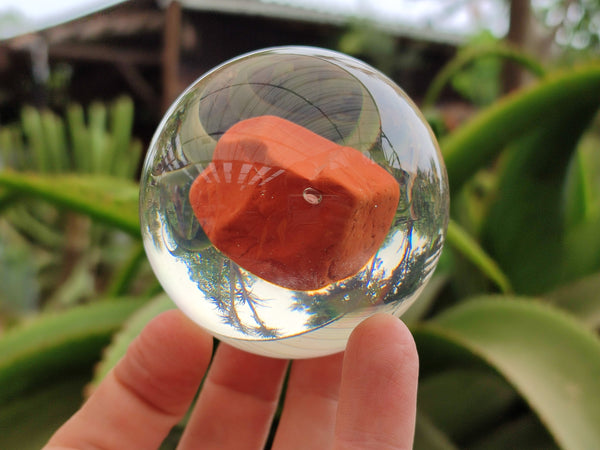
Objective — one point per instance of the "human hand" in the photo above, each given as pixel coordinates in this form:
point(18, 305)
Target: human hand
point(362, 398)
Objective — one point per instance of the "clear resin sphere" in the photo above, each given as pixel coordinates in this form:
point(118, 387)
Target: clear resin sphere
point(287, 195)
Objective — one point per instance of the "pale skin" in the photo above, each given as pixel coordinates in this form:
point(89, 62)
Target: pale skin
point(364, 398)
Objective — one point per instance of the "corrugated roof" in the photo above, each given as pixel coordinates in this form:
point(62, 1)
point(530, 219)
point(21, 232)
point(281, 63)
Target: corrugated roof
point(256, 7)
point(323, 15)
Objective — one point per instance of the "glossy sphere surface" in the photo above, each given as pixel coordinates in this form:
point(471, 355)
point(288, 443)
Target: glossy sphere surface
point(287, 195)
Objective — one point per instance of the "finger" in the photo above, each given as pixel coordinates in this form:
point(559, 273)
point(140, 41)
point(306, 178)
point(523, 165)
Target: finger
point(378, 394)
point(147, 393)
point(308, 417)
point(237, 402)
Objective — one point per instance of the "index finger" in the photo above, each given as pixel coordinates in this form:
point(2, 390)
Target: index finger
point(147, 393)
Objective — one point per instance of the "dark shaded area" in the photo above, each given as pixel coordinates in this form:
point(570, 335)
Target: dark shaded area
point(152, 54)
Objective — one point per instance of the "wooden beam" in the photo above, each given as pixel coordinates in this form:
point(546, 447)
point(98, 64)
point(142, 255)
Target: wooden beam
point(103, 53)
point(138, 84)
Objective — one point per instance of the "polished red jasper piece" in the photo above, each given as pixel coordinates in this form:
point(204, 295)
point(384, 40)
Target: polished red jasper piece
point(292, 207)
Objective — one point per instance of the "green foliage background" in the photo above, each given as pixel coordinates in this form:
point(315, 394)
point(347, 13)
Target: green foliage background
point(507, 330)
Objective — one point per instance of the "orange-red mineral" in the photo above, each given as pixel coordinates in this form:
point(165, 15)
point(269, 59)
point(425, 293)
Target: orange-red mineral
point(292, 207)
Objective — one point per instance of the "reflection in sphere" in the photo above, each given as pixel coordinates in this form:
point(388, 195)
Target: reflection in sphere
point(287, 195)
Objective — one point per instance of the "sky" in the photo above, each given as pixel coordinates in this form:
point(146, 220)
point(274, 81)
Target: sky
point(440, 15)
point(44, 9)
point(44, 13)
point(446, 15)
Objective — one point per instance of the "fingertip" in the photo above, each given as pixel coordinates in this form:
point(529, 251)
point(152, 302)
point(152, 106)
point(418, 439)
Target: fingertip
point(384, 333)
point(174, 329)
point(378, 394)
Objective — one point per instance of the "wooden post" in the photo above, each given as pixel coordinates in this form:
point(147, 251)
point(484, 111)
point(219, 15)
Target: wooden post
point(170, 56)
point(520, 19)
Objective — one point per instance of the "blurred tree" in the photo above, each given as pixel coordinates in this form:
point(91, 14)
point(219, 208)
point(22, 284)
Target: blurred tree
point(375, 46)
point(480, 82)
point(574, 23)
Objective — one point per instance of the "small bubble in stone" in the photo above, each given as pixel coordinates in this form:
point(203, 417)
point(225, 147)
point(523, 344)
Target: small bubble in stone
point(312, 196)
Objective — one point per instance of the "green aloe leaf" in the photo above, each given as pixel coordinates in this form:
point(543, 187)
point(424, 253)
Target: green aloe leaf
point(99, 139)
point(479, 141)
point(32, 128)
point(54, 345)
point(465, 403)
point(125, 277)
point(419, 309)
point(429, 437)
point(525, 432)
point(28, 422)
point(578, 201)
point(53, 129)
point(581, 206)
point(460, 240)
point(547, 356)
point(20, 290)
point(124, 153)
point(7, 199)
point(110, 200)
point(80, 139)
point(475, 53)
point(580, 298)
point(524, 230)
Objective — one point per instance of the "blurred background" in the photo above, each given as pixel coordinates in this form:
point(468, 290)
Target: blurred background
point(507, 329)
point(60, 52)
